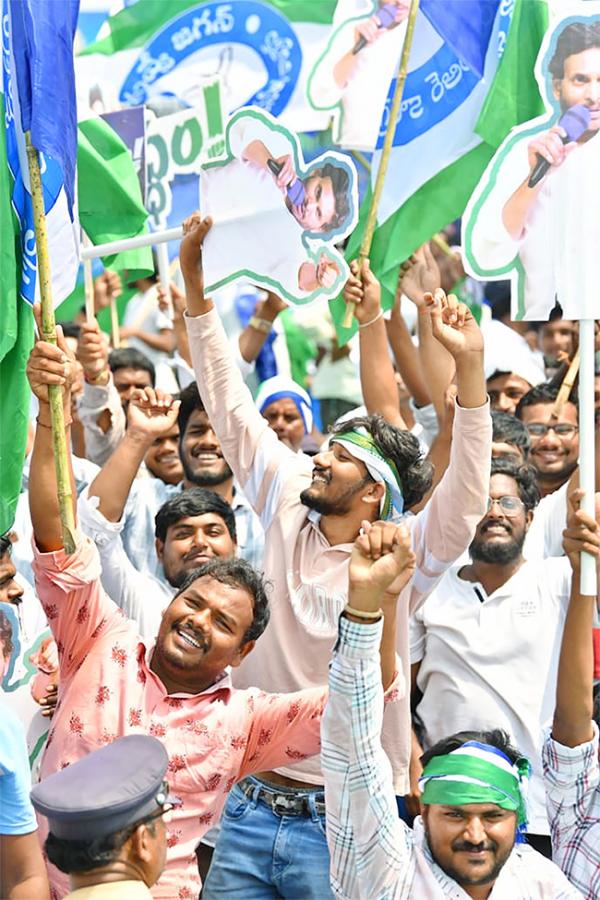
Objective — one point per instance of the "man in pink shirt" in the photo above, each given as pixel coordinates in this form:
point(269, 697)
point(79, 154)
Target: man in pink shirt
point(312, 510)
point(114, 683)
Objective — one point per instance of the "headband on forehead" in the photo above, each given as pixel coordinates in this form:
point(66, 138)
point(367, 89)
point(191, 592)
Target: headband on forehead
point(477, 773)
point(281, 388)
point(361, 445)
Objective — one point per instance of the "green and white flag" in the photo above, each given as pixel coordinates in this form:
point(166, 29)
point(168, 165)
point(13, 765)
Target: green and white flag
point(158, 53)
point(454, 156)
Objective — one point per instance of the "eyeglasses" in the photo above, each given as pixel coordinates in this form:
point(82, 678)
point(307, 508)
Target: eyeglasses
point(510, 506)
point(561, 429)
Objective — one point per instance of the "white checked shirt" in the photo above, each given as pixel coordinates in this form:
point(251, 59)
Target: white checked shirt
point(374, 855)
point(572, 779)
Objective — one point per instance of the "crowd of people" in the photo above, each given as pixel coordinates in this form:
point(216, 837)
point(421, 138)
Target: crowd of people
point(319, 636)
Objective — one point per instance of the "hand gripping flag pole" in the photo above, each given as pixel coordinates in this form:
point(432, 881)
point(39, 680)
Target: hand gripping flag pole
point(365, 247)
point(63, 481)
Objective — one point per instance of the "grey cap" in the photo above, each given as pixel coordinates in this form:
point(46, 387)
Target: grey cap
point(104, 792)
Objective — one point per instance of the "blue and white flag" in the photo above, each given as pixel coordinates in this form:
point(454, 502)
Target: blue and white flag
point(39, 90)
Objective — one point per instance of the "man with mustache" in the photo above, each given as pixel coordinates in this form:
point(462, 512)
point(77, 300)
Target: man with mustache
point(484, 645)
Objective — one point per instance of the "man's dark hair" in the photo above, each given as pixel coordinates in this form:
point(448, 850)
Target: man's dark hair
point(508, 429)
point(193, 502)
point(85, 856)
point(541, 393)
point(340, 183)
point(496, 738)
point(402, 448)
point(190, 401)
point(130, 358)
point(574, 38)
point(5, 545)
point(6, 634)
point(70, 329)
point(525, 476)
point(240, 574)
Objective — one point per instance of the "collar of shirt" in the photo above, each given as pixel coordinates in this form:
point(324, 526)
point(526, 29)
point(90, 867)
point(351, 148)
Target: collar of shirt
point(223, 682)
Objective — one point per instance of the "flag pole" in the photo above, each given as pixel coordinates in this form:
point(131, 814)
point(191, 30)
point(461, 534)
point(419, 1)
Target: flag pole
point(88, 282)
point(587, 468)
point(63, 479)
point(566, 386)
point(365, 247)
point(114, 324)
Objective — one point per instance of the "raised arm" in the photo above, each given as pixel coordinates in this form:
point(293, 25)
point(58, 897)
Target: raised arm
point(406, 355)
point(100, 409)
point(49, 364)
point(572, 723)
point(259, 327)
point(370, 847)
point(378, 382)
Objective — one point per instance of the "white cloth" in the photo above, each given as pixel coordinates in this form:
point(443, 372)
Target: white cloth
point(95, 399)
point(363, 98)
point(504, 350)
point(559, 246)
point(545, 534)
point(253, 231)
point(491, 661)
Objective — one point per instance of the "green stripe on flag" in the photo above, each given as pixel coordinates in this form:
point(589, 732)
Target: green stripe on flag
point(513, 98)
point(16, 339)
point(134, 25)
point(110, 200)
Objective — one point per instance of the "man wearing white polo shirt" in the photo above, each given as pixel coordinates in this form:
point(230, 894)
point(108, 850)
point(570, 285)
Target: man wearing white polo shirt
point(484, 646)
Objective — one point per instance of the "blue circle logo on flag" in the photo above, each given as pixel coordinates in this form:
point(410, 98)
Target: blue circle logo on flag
point(248, 44)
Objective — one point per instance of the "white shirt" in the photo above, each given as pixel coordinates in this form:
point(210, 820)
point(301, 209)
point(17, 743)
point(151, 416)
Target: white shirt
point(559, 245)
point(363, 98)
point(545, 535)
point(491, 662)
point(253, 230)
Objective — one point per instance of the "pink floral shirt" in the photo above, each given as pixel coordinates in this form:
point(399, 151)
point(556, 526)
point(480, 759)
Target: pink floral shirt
point(107, 690)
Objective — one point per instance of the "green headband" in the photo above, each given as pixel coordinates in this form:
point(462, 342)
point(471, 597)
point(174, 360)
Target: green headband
point(460, 778)
point(379, 467)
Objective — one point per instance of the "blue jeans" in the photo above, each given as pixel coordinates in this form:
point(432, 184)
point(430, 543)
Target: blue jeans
point(260, 854)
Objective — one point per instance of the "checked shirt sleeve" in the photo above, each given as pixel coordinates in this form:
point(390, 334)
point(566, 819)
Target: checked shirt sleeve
point(371, 848)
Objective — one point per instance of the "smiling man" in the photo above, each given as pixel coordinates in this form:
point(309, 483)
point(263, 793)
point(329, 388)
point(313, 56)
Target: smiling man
point(490, 628)
point(554, 439)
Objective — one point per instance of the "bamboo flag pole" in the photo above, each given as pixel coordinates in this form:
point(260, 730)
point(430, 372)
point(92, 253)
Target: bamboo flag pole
point(114, 324)
point(63, 480)
point(566, 386)
point(88, 282)
point(387, 146)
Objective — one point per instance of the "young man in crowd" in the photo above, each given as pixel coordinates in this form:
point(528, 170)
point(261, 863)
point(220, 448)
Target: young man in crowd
point(312, 511)
point(113, 683)
point(490, 627)
point(570, 754)
point(135, 502)
point(468, 839)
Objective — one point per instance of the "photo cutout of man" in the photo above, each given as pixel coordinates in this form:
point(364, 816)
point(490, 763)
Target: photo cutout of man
point(274, 222)
point(537, 207)
point(353, 75)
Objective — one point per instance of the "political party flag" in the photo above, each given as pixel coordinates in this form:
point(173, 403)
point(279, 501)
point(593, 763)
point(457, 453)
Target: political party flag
point(16, 338)
point(110, 199)
point(422, 195)
point(39, 87)
point(160, 54)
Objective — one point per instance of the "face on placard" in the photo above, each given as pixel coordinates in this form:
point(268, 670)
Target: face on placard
point(580, 84)
point(317, 210)
point(338, 482)
point(202, 631)
point(191, 542)
point(505, 390)
point(500, 535)
point(201, 455)
point(554, 454)
point(285, 420)
point(472, 842)
point(162, 459)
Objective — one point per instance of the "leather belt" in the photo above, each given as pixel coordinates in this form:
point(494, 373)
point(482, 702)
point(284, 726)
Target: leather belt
point(289, 802)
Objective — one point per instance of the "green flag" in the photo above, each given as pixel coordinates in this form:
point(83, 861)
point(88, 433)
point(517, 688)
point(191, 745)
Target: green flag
point(110, 201)
point(513, 98)
point(16, 340)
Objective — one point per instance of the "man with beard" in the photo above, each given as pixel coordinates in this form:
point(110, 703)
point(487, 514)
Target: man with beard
point(134, 503)
point(554, 439)
point(484, 646)
point(312, 510)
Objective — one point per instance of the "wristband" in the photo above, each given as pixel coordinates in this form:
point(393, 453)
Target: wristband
point(371, 321)
point(363, 614)
point(94, 379)
point(261, 324)
point(43, 424)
